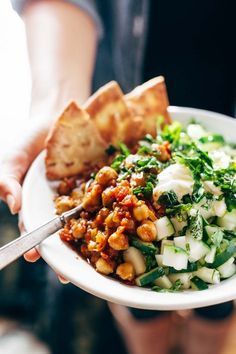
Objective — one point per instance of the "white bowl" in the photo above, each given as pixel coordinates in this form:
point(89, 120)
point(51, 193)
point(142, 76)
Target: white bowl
point(38, 208)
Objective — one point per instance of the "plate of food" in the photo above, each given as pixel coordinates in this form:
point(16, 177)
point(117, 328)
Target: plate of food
point(157, 184)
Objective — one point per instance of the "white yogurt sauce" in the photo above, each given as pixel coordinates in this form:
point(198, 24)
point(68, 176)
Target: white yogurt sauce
point(176, 178)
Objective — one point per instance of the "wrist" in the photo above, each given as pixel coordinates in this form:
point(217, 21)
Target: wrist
point(47, 103)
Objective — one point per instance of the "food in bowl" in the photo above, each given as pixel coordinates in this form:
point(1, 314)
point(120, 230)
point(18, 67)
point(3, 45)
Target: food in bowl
point(160, 213)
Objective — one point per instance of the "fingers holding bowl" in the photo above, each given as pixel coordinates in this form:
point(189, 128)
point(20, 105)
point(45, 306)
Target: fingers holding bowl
point(32, 255)
point(10, 192)
point(62, 280)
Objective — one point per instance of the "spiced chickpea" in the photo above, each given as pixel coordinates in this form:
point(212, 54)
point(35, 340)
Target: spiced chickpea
point(101, 240)
point(118, 241)
point(92, 232)
point(163, 150)
point(92, 246)
point(164, 153)
point(147, 231)
point(78, 228)
point(137, 179)
point(66, 185)
point(141, 212)
point(109, 221)
point(101, 217)
point(103, 266)
point(106, 176)
point(77, 193)
point(108, 197)
point(125, 271)
point(63, 188)
point(64, 203)
point(128, 224)
point(92, 199)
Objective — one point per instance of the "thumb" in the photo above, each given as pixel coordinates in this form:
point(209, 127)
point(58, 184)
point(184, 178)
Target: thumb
point(10, 192)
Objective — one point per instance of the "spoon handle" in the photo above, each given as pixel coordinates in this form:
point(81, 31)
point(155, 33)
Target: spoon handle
point(16, 248)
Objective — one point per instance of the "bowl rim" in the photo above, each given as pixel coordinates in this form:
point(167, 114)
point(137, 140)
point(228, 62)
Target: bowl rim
point(112, 290)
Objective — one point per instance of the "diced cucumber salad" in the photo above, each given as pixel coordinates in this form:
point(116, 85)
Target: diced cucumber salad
point(195, 194)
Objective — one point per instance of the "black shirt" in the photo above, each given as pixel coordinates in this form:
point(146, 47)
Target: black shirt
point(192, 44)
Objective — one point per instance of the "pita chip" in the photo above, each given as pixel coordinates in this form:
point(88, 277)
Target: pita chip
point(114, 121)
point(149, 101)
point(74, 145)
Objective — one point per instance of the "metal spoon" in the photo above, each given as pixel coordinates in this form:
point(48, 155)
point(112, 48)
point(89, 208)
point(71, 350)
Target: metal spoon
point(16, 248)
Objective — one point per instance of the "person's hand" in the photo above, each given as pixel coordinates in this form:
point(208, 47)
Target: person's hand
point(14, 165)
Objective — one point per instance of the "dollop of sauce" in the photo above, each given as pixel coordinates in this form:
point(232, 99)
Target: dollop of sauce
point(177, 178)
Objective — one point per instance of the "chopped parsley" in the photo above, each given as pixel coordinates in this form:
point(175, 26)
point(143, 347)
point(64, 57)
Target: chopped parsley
point(196, 226)
point(124, 149)
point(150, 262)
point(226, 180)
point(178, 210)
point(168, 199)
point(172, 133)
point(149, 139)
point(147, 163)
point(198, 191)
point(145, 191)
point(144, 149)
point(116, 163)
point(110, 150)
point(212, 138)
point(197, 161)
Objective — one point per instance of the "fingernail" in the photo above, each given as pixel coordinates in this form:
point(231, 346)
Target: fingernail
point(11, 202)
point(62, 280)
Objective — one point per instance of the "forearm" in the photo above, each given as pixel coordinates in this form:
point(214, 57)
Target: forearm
point(62, 45)
point(62, 48)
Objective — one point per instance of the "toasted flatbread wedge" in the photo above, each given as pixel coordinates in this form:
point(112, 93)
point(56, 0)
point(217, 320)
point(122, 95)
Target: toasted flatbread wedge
point(74, 144)
point(114, 121)
point(149, 101)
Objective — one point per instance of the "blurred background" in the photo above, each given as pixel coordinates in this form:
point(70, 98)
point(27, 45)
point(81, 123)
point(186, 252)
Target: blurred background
point(37, 313)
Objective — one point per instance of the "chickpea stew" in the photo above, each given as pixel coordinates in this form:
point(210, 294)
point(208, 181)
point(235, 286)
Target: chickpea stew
point(161, 214)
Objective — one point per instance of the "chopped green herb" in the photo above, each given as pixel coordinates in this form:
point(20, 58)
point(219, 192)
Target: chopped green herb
point(177, 285)
point(145, 191)
point(116, 163)
point(124, 150)
point(144, 149)
point(124, 173)
point(149, 139)
point(187, 199)
point(168, 199)
point(150, 262)
point(229, 234)
point(147, 163)
point(152, 178)
point(172, 133)
point(198, 191)
point(110, 150)
point(196, 226)
point(178, 209)
point(226, 180)
point(213, 138)
point(197, 161)
point(193, 121)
